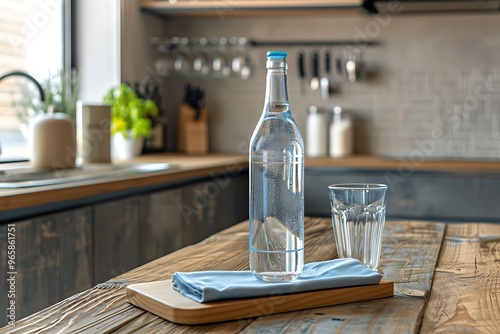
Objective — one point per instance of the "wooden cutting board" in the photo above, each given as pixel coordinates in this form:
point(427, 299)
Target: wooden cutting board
point(159, 298)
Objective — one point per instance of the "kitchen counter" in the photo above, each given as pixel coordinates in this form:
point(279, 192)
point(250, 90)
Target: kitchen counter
point(88, 232)
point(429, 190)
point(185, 168)
point(188, 168)
point(446, 280)
point(368, 162)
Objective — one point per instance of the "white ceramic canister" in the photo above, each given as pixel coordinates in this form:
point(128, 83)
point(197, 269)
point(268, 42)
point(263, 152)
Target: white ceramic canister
point(93, 128)
point(52, 141)
point(341, 134)
point(316, 133)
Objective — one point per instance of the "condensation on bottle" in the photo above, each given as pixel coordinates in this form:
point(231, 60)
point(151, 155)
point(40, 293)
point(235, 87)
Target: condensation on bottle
point(276, 206)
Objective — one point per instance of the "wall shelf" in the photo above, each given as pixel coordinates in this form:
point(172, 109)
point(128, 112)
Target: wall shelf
point(299, 7)
point(306, 43)
point(248, 7)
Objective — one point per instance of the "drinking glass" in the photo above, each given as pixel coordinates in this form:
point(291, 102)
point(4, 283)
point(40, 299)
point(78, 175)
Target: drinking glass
point(181, 62)
point(164, 65)
point(220, 67)
point(240, 63)
point(358, 216)
point(200, 67)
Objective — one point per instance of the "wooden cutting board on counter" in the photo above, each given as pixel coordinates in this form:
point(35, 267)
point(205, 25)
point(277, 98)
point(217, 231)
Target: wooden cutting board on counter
point(159, 298)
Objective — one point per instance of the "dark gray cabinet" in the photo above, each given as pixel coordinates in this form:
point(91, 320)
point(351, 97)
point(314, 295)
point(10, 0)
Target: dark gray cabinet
point(418, 195)
point(209, 207)
point(133, 231)
point(60, 254)
point(53, 260)
point(116, 235)
point(160, 225)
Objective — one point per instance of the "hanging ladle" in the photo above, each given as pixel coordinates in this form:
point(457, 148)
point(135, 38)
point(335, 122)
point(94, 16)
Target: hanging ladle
point(325, 81)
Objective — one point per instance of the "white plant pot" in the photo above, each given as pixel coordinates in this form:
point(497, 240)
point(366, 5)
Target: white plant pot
point(125, 148)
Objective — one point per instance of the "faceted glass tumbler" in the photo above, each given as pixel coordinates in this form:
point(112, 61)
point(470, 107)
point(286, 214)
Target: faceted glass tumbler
point(358, 217)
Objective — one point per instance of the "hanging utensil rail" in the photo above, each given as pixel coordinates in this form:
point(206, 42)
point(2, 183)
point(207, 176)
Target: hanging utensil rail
point(305, 43)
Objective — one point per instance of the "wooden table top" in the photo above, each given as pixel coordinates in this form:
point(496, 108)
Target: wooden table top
point(446, 280)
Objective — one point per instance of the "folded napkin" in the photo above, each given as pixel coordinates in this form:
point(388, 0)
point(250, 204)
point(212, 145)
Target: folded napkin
point(208, 286)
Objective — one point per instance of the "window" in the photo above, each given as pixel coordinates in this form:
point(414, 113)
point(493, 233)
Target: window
point(31, 40)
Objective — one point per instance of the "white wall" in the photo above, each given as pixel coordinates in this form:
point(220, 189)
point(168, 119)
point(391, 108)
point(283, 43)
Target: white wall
point(97, 47)
point(138, 54)
point(44, 36)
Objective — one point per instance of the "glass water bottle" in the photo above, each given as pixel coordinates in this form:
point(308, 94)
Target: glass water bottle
point(276, 222)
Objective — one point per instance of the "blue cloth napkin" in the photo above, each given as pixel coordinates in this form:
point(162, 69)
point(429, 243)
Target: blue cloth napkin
point(208, 286)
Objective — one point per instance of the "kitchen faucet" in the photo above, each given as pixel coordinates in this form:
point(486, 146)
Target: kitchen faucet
point(26, 75)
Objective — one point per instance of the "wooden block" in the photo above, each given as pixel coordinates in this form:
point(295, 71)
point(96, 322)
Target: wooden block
point(196, 138)
point(192, 134)
point(159, 298)
point(186, 114)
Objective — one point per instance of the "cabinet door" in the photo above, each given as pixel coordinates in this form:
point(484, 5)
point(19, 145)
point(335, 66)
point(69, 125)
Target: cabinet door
point(53, 260)
point(212, 205)
point(407, 197)
point(132, 231)
point(419, 195)
point(317, 197)
point(197, 211)
point(160, 224)
point(116, 233)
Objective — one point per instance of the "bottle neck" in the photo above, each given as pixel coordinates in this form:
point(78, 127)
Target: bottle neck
point(276, 87)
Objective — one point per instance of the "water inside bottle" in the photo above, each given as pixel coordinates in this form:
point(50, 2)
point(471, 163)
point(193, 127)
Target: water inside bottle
point(276, 224)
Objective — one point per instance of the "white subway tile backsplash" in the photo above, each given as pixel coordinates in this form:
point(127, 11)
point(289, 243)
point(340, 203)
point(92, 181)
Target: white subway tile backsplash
point(428, 75)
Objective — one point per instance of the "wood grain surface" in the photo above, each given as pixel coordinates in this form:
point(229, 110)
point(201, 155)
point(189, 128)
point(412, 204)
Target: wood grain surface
point(409, 256)
point(465, 295)
point(159, 298)
point(410, 252)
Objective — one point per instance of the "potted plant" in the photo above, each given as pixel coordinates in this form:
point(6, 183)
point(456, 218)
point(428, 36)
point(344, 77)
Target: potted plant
point(130, 120)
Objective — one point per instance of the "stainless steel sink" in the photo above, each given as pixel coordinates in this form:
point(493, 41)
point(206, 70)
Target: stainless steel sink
point(27, 177)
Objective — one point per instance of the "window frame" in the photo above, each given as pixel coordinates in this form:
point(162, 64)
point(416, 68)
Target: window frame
point(68, 52)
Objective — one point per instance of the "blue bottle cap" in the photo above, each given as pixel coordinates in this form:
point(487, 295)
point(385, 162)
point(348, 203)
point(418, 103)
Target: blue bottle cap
point(276, 54)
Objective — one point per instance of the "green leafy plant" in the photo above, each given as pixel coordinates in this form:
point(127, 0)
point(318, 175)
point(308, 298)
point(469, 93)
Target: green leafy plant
point(130, 112)
point(61, 94)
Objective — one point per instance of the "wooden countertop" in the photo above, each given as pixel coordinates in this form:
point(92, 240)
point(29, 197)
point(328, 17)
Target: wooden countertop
point(192, 167)
point(446, 280)
point(380, 163)
point(186, 168)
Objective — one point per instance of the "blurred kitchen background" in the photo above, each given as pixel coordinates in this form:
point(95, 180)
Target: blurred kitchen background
point(429, 81)
point(427, 90)
point(429, 73)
